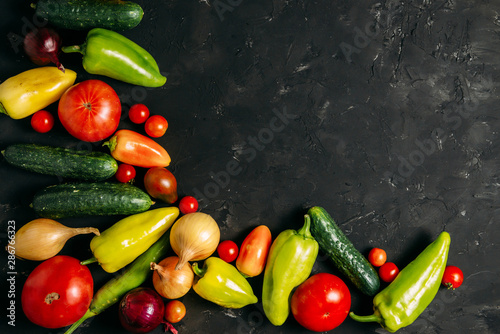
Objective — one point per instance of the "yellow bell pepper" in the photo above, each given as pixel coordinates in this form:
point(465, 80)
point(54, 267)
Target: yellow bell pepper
point(24, 94)
point(124, 241)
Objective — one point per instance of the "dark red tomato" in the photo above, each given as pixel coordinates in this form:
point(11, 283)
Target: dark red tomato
point(90, 110)
point(377, 257)
point(161, 184)
point(227, 250)
point(388, 272)
point(175, 310)
point(42, 121)
point(453, 277)
point(138, 113)
point(58, 292)
point(125, 173)
point(188, 204)
point(156, 126)
point(321, 303)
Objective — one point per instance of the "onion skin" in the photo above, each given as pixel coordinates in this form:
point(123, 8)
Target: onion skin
point(194, 237)
point(169, 282)
point(43, 46)
point(141, 310)
point(42, 238)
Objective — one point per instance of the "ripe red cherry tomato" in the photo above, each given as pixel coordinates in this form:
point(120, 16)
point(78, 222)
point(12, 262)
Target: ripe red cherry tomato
point(57, 292)
point(388, 272)
point(377, 257)
point(125, 173)
point(321, 303)
point(188, 204)
point(42, 121)
point(453, 277)
point(175, 311)
point(156, 126)
point(227, 250)
point(138, 113)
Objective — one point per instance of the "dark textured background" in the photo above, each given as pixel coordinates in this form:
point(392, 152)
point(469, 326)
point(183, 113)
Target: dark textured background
point(388, 118)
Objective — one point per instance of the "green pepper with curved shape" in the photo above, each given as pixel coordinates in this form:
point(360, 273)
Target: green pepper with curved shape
point(124, 241)
point(289, 263)
point(106, 52)
point(221, 283)
point(413, 289)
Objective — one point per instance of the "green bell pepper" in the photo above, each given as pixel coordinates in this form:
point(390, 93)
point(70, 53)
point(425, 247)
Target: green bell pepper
point(289, 263)
point(106, 52)
point(221, 283)
point(413, 289)
point(124, 241)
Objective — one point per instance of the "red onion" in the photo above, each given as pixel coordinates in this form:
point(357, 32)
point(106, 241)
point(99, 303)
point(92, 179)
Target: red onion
point(141, 310)
point(43, 46)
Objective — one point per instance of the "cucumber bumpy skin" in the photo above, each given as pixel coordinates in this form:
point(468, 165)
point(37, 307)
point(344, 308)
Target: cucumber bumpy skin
point(87, 199)
point(334, 243)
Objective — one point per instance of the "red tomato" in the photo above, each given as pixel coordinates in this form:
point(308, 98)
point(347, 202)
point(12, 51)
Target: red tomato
point(453, 277)
point(388, 272)
point(42, 121)
point(90, 110)
point(175, 311)
point(58, 292)
point(321, 303)
point(161, 184)
point(377, 257)
point(138, 113)
point(132, 148)
point(125, 173)
point(156, 126)
point(227, 250)
point(188, 204)
point(253, 251)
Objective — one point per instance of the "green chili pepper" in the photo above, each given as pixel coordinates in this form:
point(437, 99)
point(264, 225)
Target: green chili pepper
point(132, 277)
point(222, 284)
point(289, 263)
point(412, 290)
point(106, 52)
point(123, 242)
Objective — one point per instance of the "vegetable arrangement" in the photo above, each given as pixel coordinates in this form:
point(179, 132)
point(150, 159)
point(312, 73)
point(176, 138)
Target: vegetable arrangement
point(166, 245)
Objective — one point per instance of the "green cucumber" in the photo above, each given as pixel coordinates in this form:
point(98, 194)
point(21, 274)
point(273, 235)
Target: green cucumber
point(334, 243)
point(87, 199)
point(61, 162)
point(87, 14)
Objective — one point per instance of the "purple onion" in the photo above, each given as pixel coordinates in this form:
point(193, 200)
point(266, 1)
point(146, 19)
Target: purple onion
point(141, 310)
point(43, 47)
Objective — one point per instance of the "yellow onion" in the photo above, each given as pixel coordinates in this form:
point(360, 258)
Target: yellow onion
point(195, 236)
point(171, 283)
point(42, 238)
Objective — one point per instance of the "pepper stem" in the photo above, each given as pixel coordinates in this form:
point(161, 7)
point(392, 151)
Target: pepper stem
point(306, 229)
point(74, 48)
point(3, 110)
point(366, 318)
point(197, 270)
point(88, 261)
point(88, 314)
point(111, 143)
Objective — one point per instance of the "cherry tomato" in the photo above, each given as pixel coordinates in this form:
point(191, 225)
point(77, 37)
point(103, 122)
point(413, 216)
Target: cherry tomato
point(42, 121)
point(321, 303)
point(57, 292)
point(161, 184)
point(388, 272)
point(377, 257)
point(90, 110)
point(138, 113)
point(188, 204)
point(253, 251)
point(453, 277)
point(156, 126)
point(175, 311)
point(227, 250)
point(125, 173)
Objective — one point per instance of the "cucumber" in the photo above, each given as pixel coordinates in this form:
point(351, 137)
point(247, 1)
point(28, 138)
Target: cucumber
point(88, 14)
point(62, 162)
point(87, 199)
point(334, 243)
